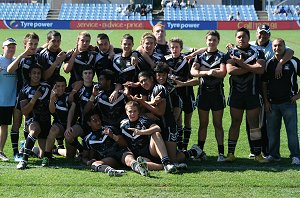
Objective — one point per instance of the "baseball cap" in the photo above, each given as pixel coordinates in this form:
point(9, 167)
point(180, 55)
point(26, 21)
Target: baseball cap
point(264, 27)
point(9, 41)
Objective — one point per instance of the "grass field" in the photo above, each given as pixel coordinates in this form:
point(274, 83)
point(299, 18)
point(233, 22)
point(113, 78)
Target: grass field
point(243, 178)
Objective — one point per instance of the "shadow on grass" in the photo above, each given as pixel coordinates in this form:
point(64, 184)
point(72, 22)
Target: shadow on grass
point(239, 165)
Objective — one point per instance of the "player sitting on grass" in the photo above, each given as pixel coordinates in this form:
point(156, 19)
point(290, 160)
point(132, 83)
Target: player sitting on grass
point(101, 149)
point(145, 142)
point(158, 105)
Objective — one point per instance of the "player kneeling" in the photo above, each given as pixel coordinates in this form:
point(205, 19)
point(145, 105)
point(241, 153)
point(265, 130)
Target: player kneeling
point(59, 108)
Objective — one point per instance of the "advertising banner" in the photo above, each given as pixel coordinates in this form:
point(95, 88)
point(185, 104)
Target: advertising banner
point(295, 25)
point(2, 25)
point(252, 25)
point(187, 25)
point(36, 24)
point(110, 25)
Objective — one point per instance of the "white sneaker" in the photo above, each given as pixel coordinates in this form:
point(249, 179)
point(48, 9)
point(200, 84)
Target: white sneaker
point(18, 157)
point(3, 157)
point(221, 158)
point(116, 173)
point(170, 168)
point(181, 166)
point(295, 160)
point(22, 165)
point(142, 166)
point(198, 150)
point(270, 158)
point(251, 156)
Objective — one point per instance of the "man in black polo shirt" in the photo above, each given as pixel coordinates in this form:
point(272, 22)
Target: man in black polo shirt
point(280, 95)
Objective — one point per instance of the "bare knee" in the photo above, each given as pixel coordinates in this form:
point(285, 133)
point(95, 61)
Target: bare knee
point(54, 131)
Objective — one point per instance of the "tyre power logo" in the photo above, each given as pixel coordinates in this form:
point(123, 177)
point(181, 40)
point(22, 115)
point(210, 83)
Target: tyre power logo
point(12, 24)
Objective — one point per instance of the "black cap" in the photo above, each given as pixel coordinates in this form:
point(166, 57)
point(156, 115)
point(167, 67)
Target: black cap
point(264, 27)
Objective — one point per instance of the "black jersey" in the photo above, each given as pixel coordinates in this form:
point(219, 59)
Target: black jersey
point(61, 109)
point(81, 98)
point(168, 115)
point(99, 142)
point(111, 113)
point(81, 61)
point(124, 69)
point(46, 58)
point(283, 89)
point(102, 61)
point(23, 70)
point(136, 142)
point(162, 49)
point(211, 60)
point(249, 82)
point(155, 57)
point(173, 97)
point(40, 110)
point(180, 68)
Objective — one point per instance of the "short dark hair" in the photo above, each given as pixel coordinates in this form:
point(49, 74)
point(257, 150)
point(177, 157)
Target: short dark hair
point(31, 35)
point(127, 36)
point(108, 75)
point(60, 79)
point(213, 33)
point(88, 67)
point(176, 40)
point(242, 29)
point(88, 115)
point(53, 33)
point(35, 66)
point(102, 36)
point(161, 67)
point(145, 74)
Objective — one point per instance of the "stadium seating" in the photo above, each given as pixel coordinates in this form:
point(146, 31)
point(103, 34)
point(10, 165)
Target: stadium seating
point(24, 11)
point(97, 12)
point(210, 13)
point(282, 17)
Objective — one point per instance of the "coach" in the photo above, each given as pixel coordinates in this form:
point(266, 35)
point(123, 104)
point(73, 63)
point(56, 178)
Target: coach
point(280, 95)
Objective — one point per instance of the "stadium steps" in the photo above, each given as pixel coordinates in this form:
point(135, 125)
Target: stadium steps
point(53, 14)
point(262, 15)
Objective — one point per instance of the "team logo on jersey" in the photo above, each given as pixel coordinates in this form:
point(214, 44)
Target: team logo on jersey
point(60, 102)
point(93, 137)
point(32, 91)
point(286, 67)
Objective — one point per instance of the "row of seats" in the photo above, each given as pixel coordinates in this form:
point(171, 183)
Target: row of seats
point(210, 13)
point(24, 11)
point(279, 17)
point(97, 12)
point(38, 11)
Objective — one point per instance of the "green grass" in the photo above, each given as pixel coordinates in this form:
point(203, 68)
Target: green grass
point(244, 178)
